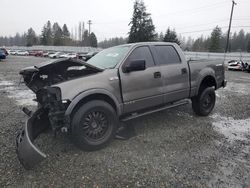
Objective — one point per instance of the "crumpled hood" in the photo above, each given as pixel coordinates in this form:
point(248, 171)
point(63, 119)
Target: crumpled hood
point(55, 71)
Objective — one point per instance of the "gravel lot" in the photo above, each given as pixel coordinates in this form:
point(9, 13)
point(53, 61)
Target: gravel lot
point(172, 148)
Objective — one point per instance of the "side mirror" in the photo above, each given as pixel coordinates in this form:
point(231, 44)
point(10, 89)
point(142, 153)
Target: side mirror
point(135, 65)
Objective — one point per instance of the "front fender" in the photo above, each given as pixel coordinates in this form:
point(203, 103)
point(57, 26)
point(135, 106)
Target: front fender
point(87, 93)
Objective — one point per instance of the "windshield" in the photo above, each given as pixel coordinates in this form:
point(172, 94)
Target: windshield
point(109, 58)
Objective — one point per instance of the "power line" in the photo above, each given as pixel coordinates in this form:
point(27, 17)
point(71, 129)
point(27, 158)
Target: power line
point(198, 8)
point(190, 26)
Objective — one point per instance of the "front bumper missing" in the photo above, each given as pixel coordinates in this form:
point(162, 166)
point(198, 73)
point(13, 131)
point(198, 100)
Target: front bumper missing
point(28, 154)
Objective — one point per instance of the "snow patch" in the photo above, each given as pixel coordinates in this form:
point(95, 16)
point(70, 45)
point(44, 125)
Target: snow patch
point(23, 97)
point(6, 83)
point(232, 129)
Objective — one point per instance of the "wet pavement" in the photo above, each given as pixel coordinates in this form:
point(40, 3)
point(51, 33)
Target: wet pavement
point(172, 148)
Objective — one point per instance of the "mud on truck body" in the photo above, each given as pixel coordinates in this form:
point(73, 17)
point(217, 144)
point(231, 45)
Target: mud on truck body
point(87, 100)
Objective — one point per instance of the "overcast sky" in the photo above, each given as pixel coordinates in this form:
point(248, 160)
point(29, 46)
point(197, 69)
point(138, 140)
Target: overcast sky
point(111, 17)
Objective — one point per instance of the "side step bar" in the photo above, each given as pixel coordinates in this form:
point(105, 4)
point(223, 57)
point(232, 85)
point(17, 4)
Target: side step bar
point(170, 105)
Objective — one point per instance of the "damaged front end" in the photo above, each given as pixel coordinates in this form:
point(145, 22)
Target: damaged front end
point(50, 115)
point(42, 80)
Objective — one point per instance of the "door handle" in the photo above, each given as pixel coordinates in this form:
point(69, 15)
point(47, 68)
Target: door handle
point(184, 71)
point(157, 74)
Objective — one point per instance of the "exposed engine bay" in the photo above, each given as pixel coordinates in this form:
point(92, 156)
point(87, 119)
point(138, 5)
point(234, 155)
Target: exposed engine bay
point(56, 71)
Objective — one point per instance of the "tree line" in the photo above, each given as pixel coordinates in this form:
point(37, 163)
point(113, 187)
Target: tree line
point(51, 34)
point(141, 29)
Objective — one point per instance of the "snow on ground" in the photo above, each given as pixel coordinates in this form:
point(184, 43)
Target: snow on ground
point(21, 96)
point(232, 129)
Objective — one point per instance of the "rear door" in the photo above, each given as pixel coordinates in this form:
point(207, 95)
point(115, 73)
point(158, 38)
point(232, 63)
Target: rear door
point(175, 73)
point(141, 89)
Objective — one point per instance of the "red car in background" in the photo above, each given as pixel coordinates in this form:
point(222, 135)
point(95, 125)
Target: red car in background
point(37, 53)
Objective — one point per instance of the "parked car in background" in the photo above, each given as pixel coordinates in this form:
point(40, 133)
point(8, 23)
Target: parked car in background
point(22, 53)
point(32, 52)
point(5, 51)
point(63, 55)
point(56, 55)
point(38, 53)
point(46, 54)
point(81, 55)
point(13, 52)
point(236, 65)
point(247, 67)
point(2, 54)
point(71, 55)
point(90, 55)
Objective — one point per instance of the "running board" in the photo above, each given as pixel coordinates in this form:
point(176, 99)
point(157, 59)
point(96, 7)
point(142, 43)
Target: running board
point(139, 114)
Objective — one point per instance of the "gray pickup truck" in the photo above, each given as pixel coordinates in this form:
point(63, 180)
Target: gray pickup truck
point(87, 100)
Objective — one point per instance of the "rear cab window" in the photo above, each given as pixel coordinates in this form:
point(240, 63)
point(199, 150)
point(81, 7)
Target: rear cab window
point(167, 55)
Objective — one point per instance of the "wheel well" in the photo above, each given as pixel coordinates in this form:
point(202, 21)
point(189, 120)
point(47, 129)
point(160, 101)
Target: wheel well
point(208, 81)
point(102, 97)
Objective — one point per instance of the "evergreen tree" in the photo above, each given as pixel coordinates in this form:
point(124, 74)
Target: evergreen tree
point(46, 36)
point(92, 40)
point(248, 47)
point(215, 45)
point(57, 34)
point(161, 37)
point(142, 28)
point(86, 38)
point(171, 36)
point(31, 38)
point(66, 35)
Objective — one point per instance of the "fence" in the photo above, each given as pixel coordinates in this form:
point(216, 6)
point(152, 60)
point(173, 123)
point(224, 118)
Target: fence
point(77, 49)
point(222, 56)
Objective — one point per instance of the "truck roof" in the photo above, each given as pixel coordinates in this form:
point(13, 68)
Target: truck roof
point(149, 43)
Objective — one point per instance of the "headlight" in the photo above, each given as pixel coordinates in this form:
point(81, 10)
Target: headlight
point(49, 94)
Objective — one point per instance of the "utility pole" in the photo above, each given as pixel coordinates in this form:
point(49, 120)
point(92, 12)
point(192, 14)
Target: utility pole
point(89, 22)
point(229, 27)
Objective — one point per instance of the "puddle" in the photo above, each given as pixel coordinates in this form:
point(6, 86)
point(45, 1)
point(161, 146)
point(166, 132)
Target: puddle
point(232, 129)
point(23, 97)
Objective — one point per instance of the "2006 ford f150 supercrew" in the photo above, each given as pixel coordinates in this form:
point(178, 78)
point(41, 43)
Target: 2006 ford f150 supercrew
point(88, 99)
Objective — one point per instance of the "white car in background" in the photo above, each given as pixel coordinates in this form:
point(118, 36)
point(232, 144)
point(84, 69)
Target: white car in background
point(69, 55)
point(22, 52)
point(12, 52)
point(56, 55)
point(63, 55)
point(72, 55)
point(235, 65)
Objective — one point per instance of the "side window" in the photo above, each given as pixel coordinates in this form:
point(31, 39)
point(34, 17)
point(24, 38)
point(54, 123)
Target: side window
point(142, 53)
point(167, 55)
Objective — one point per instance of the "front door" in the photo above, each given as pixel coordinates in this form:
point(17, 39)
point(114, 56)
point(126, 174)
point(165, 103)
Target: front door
point(141, 89)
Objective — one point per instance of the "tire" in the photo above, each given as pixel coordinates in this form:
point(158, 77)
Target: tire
point(94, 125)
point(204, 102)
